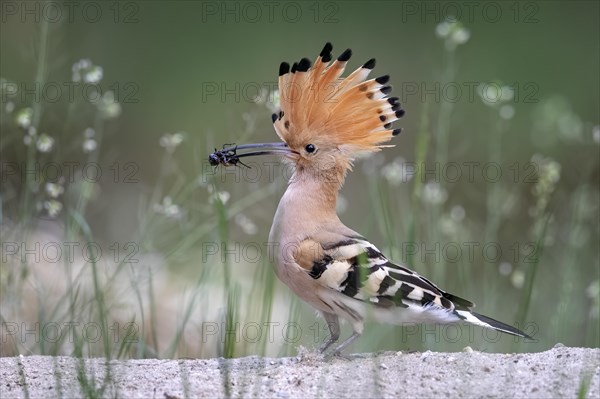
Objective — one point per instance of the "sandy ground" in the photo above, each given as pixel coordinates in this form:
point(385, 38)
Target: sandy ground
point(559, 372)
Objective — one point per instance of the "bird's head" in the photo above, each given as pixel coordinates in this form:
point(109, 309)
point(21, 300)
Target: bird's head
point(326, 121)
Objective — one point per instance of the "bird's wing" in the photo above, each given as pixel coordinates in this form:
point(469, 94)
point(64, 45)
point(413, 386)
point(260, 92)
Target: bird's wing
point(356, 268)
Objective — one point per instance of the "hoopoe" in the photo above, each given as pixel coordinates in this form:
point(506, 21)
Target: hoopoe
point(325, 122)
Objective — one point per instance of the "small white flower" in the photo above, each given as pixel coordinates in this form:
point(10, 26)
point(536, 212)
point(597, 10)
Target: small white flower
point(262, 96)
point(494, 94)
point(461, 36)
point(77, 67)
point(45, 143)
point(221, 196)
point(518, 278)
point(457, 213)
point(108, 107)
point(93, 75)
point(53, 207)
point(548, 174)
point(168, 208)
point(84, 70)
point(570, 126)
point(89, 145)
point(23, 117)
point(434, 194)
point(453, 33)
point(507, 111)
point(172, 211)
point(442, 30)
point(505, 268)
point(54, 190)
point(593, 290)
point(490, 93)
point(171, 141)
point(397, 172)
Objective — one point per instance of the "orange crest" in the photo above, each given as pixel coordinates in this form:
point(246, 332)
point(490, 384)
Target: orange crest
point(317, 105)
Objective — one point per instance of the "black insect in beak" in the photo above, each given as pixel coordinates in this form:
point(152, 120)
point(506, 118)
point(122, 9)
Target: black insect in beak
point(228, 156)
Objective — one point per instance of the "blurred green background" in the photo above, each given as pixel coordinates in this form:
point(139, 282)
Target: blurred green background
point(508, 87)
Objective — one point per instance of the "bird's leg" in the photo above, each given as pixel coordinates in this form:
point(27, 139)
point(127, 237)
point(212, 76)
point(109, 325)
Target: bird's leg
point(334, 329)
point(344, 344)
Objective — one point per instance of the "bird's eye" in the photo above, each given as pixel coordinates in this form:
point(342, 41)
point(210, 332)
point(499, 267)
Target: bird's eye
point(310, 148)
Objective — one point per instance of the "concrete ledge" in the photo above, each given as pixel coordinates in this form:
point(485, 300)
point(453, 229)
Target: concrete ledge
point(559, 372)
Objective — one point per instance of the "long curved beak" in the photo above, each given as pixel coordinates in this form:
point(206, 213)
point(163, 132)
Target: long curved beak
point(229, 154)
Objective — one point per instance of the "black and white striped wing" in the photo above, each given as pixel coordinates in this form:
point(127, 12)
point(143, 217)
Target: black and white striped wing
point(356, 268)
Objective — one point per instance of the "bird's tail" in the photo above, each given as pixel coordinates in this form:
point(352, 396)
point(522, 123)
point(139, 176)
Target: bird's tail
point(484, 321)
